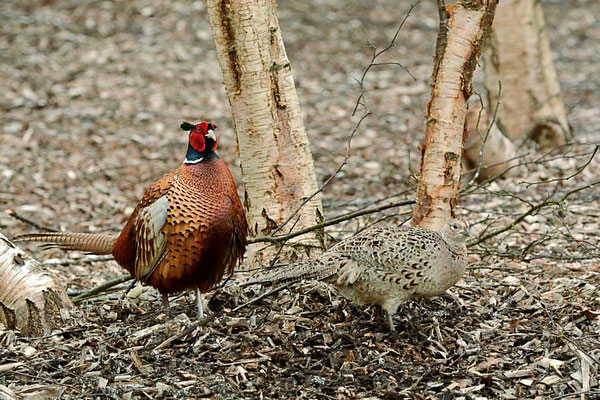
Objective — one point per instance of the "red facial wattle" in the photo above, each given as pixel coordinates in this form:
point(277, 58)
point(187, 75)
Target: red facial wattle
point(197, 141)
point(201, 136)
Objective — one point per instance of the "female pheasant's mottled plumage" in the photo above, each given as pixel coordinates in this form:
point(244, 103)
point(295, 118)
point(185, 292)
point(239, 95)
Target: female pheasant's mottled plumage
point(386, 266)
point(188, 230)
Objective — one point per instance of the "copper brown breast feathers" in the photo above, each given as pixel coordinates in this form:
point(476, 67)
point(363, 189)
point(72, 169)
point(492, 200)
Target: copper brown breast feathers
point(188, 230)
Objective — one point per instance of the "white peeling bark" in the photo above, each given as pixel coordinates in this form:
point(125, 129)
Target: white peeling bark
point(30, 297)
point(277, 165)
point(519, 56)
point(457, 49)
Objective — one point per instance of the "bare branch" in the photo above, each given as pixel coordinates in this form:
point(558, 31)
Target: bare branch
point(487, 133)
point(376, 55)
point(577, 172)
point(333, 221)
point(549, 201)
point(467, 190)
point(333, 175)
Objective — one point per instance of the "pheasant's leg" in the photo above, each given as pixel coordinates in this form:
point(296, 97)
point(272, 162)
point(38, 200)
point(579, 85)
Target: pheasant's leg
point(165, 303)
point(390, 321)
point(200, 302)
point(377, 313)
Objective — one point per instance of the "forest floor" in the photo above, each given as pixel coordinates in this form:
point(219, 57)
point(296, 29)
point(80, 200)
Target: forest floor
point(92, 94)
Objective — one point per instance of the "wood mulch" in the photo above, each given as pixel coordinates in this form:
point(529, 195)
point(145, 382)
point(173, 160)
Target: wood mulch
point(92, 95)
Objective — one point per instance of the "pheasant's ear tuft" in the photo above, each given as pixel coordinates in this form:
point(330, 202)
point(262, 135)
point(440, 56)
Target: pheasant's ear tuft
point(186, 126)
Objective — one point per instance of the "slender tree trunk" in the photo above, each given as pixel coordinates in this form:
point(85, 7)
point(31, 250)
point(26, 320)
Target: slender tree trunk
point(519, 56)
point(463, 30)
point(277, 165)
point(30, 297)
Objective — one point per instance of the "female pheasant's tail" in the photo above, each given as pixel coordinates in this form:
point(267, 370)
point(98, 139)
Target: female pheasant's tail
point(310, 269)
point(96, 243)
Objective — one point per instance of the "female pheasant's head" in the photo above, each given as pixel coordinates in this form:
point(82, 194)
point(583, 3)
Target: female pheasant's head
point(202, 143)
point(456, 232)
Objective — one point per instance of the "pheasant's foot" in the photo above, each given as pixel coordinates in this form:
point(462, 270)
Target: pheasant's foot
point(454, 298)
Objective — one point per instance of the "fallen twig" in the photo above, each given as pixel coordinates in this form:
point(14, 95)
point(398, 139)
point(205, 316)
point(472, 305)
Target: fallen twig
point(28, 221)
point(186, 331)
point(262, 296)
point(100, 289)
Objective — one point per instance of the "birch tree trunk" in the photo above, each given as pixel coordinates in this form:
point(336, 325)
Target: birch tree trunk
point(518, 55)
point(277, 165)
point(30, 297)
point(463, 30)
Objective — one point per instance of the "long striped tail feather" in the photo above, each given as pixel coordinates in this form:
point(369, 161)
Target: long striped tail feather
point(95, 243)
point(310, 269)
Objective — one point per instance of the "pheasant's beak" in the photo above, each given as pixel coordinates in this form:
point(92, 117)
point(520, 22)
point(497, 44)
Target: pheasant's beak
point(211, 135)
point(467, 232)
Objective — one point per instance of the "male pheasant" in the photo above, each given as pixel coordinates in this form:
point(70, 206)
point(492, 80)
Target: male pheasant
point(385, 266)
point(187, 231)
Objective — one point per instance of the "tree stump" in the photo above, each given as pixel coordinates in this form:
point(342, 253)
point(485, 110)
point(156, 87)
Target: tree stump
point(30, 297)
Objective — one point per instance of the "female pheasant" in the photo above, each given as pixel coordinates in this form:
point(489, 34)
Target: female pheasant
point(385, 266)
point(187, 231)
